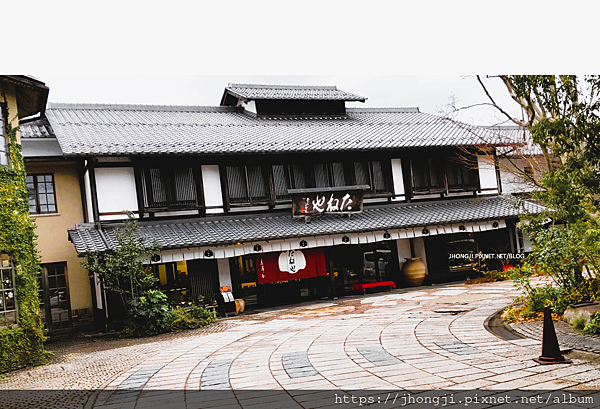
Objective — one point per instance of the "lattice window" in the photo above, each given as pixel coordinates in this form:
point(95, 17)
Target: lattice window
point(167, 188)
point(330, 174)
point(42, 196)
point(442, 174)
point(373, 174)
point(8, 299)
point(247, 184)
point(281, 182)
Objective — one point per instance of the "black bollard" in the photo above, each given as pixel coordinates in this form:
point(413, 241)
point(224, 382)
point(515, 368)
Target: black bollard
point(550, 349)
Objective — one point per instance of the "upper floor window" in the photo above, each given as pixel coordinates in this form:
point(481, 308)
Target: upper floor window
point(374, 174)
point(269, 184)
point(442, 174)
point(168, 188)
point(42, 196)
point(247, 184)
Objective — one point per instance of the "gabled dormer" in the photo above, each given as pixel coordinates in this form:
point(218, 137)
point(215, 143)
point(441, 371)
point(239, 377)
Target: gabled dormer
point(288, 100)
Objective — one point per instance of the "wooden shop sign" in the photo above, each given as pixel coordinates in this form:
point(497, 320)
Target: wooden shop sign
point(339, 200)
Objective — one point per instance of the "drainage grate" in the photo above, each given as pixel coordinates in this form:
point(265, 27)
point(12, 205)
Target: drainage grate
point(459, 348)
point(216, 375)
point(378, 355)
point(297, 364)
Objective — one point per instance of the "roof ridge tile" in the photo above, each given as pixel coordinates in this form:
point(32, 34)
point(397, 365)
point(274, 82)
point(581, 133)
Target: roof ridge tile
point(141, 107)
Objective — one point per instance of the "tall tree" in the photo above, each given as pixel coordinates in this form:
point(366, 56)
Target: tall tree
point(562, 115)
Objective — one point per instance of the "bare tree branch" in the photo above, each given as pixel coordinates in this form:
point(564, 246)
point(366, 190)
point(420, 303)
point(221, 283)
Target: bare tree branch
point(496, 105)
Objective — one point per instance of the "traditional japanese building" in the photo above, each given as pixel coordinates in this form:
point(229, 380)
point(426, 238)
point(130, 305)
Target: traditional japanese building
point(286, 193)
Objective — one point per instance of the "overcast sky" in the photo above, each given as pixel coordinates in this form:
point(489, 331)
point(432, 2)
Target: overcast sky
point(430, 93)
point(391, 52)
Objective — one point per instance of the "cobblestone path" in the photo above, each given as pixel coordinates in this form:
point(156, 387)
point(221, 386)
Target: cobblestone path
point(304, 356)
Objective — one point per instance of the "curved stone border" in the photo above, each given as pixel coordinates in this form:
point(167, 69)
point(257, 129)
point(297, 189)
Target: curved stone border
point(568, 338)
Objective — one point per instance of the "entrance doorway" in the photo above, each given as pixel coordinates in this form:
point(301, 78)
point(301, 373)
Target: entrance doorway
point(54, 297)
point(362, 264)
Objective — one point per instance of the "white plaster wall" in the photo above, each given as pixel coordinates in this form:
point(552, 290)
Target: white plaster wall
point(116, 189)
point(211, 181)
point(419, 245)
point(88, 196)
point(512, 181)
point(40, 147)
point(403, 246)
point(224, 272)
point(487, 172)
point(397, 178)
point(249, 106)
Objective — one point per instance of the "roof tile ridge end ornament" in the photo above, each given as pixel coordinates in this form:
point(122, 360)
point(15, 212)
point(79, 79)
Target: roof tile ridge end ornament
point(280, 86)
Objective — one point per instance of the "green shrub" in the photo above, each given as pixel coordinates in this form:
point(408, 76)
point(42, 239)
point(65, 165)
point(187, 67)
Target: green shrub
point(150, 314)
point(190, 318)
point(19, 349)
point(539, 297)
point(511, 313)
point(593, 327)
point(579, 324)
point(534, 301)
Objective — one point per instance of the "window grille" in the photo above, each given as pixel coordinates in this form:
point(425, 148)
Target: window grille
point(8, 299)
point(338, 175)
point(459, 177)
point(256, 183)
point(442, 175)
point(321, 176)
point(42, 196)
point(168, 188)
point(372, 173)
point(281, 182)
point(330, 174)
point(300, 177)
point(251, 184)
point(247, 184)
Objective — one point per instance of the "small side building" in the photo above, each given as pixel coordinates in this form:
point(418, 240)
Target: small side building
point(56, 204)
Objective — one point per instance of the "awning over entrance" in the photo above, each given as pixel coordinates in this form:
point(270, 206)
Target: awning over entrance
point(235, 235)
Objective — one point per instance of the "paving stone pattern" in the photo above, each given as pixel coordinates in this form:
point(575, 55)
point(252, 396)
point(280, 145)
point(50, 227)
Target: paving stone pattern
point(129, 390)
point(378, 356)
point(458, 347)
point(297, 364)
point(216, 375)
point(303, 356)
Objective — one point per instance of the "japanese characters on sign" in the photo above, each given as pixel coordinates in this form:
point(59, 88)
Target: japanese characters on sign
point(278, 267)
point(342, 200)
point(291, 261)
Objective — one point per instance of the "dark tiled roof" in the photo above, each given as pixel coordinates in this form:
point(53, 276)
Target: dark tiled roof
point(523, 145)
point(210, 231)
point(254, 91)
point(39, 128)
point(86, 129)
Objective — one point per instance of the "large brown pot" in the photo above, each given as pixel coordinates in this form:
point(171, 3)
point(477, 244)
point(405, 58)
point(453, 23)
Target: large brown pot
point(414, 271)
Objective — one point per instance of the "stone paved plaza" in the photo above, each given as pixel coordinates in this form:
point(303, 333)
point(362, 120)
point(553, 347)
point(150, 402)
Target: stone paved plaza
point(309, 355)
